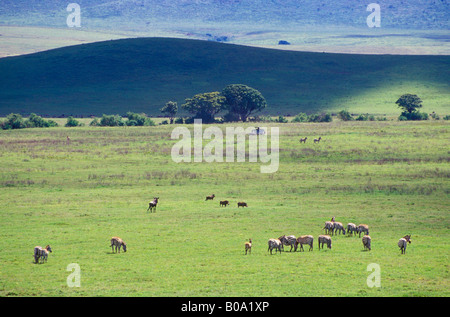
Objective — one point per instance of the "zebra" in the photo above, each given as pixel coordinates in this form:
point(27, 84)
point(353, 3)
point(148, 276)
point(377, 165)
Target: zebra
point(325, 239)
point(338, 226)
point(248, 246)
point(288, 240)
point(274, 244)
point(362, 228)
point(152, 204)
point(329, 226)
point(41, 252)
point(367, 242)
point(351, 228)
point(304, 240)
point(403, 242)
point(117, 242)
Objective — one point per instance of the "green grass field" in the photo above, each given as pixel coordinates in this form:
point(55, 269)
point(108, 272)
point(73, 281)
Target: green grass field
point(75, 196)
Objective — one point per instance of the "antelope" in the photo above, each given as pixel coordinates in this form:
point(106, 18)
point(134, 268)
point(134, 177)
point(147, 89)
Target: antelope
point(317, 140)
point(403, 242)
point(41, 252)
point(248, 246)
point(304, 240)
point(303, 140)
point(274, 244)
point(224, 203)
point(152, 204)
point(241, 204)
point(367, 241)
point(118, 243)
point(210, 197)
point(324, 239)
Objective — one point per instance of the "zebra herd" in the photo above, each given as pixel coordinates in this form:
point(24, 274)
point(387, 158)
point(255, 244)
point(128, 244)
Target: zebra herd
point(331, 227)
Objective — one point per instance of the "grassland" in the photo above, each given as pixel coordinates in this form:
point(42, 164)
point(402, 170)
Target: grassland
point(74, 196)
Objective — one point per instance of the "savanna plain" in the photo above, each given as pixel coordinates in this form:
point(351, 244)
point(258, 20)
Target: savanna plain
point(76, 194)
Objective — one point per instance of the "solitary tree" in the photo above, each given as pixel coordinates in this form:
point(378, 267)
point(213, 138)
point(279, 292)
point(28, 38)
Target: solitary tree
point(409, 103)
point(204, 106)
point(243, 100)
point(170, 109)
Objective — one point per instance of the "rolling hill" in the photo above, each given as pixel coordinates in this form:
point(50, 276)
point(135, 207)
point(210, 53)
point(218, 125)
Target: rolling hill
point(142, 74)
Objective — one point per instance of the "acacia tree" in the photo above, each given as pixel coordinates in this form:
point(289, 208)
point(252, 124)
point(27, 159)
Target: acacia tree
point(243, 100)
point(170, 109)
point(204, 106)
point(409, 103)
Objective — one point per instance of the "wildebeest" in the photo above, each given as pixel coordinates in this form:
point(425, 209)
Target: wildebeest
point(241, 204)
point(248, 246)
point(403, 242)
point(367, 242)
point(323, 239)
point(362, 228)
point(308, 239)
point(288, 240)
point(211, 197)
point(40, 252)
point(224, 203)
point(274, 244)
point(317, 140)
point(303, 140)
point(152, 204)
point(118, 243)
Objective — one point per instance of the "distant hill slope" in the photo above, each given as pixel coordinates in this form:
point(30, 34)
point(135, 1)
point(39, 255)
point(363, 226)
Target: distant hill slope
point(142, 74)
point(138, 14)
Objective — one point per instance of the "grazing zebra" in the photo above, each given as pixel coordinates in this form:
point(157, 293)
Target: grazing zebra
point(403, 242)
point(362, 228)
point(329, 226)
point(351, 228)
point(338, 226)
point(210, 197)
point(40, 252)
point(117, 242)
point(317, 140)
point(248, 246)
point(274, 244)
point(303, 140)
point(288, 240)
point(224, 203)
point(367, 242)
point(304, 240)
point(152, 204)
point(242, 204)
point(324, 239)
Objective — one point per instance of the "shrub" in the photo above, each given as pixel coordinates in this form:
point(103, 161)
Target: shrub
point(179, 120)
point(301, 117)
point(282, 119)
point(415, 116)
point(71, 122)
point(13, 121)
point(344, 115)
point(321, 117)
point(447, 117)
point(111, 121)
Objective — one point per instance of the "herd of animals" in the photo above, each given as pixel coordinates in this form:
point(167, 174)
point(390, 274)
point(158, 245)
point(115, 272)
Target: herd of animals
point(331, 227)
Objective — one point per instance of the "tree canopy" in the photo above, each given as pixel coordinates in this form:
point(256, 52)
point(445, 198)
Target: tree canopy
point(243, 100)
point(409, 103)
point(204, 106)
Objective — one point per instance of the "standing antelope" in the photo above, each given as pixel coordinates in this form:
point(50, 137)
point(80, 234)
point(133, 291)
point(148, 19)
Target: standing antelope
point(242, 204)
point(288, 240)
point(152, 204)
point(317, 140)
point(303, 140)
point(210, 197)
point(274, 244)
point(117, 242)
point(324, 239)
point(41, 252)
point(304, 240)
point(403, 242)
point(362, 228)
point(224, 203)
point(248, 246)
point(367, 242)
